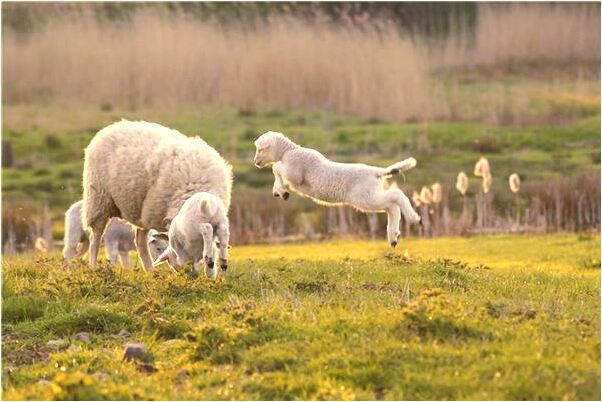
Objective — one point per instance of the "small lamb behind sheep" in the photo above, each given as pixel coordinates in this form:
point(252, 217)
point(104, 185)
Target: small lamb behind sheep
point(310, 174)
point(143, 173)
point(191, 234)
point(118, 238)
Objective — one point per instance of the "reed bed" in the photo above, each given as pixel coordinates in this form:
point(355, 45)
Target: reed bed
point(371, 70)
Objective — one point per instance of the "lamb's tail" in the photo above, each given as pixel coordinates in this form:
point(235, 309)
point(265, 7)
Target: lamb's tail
point(398, 167)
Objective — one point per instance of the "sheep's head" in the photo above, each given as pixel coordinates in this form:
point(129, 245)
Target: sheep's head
point(157, 243)
point(266, 149)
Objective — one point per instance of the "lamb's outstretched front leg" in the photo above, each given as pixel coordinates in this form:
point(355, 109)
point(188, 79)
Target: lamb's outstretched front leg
point(279, 189)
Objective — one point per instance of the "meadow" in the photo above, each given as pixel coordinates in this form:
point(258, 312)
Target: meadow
point(491, 317)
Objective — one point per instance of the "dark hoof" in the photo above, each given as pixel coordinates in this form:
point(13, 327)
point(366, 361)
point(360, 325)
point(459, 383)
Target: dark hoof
point(393, 244)
point(285, 196)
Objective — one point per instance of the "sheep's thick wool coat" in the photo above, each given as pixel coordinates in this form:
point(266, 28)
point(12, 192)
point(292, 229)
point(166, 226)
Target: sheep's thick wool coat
point(144, 172)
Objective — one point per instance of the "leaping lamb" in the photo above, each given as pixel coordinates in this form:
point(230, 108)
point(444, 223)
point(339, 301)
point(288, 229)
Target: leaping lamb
point(310, 174)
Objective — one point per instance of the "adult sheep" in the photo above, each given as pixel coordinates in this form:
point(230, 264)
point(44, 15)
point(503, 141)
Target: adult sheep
point(144, 172)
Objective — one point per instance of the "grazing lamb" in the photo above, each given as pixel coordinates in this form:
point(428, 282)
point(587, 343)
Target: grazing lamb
point(201, 219)
point(144, 172)
point(309, 173)
point(118, 238)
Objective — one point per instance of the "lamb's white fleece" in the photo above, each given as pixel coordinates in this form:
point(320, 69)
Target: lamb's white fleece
point(309, 173)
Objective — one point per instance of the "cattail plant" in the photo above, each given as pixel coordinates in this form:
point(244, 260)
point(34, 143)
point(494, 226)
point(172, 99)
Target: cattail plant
point(462, 183)
point(41, 245)
point(483, 170)
point(514, 184)
point(426, 199)
point(462, 187)
point(437, 195)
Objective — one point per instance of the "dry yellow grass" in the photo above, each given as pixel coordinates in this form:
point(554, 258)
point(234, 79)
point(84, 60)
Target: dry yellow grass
point(154, 60)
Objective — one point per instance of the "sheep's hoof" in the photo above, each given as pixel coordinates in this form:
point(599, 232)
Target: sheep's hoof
point(393, 244)
point(285, 196)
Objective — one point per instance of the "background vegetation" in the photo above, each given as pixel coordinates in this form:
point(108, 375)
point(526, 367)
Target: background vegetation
point(363, 82)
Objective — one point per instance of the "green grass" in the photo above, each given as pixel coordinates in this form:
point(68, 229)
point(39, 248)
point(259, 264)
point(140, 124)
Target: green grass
point(497, 317)
point(48, 145)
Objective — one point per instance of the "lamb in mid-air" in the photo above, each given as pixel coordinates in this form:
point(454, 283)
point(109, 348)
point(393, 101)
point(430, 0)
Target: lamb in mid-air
point(118, 238)
point(143, 173)
point(310, 174)
point(192, 234)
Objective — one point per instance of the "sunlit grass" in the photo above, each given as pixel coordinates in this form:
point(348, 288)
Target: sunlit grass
point(495, 317)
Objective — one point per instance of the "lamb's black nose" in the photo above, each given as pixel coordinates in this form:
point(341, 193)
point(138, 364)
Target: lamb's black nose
point(285, 195)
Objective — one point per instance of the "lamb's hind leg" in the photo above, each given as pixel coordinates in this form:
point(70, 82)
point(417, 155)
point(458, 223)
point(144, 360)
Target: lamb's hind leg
point(406, 207)
point(394, 216)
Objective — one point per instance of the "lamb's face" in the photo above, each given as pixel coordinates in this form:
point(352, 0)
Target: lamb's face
point(265, 150)
point(157, 243)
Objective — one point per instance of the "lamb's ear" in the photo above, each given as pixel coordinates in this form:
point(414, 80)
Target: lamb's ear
point(206, 209)
point(163, 257)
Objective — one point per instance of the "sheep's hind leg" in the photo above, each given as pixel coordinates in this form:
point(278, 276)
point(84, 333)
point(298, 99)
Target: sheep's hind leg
point(142, 248)
point(97, 230)
point(394, 217)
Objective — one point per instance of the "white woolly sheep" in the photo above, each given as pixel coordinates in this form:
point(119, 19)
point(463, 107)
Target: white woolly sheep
point(311, 174)
point(201, 219)
point(144, 172)
point(118, 238)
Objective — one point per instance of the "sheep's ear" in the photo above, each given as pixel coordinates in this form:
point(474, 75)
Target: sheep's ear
point(206, 209)
point(163, 257)
point(160, 236)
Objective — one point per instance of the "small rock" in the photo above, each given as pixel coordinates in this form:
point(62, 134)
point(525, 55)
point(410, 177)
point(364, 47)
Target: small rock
point(125, 333)
point(146, 367)
point(83, 337)
point(57, 343)
point(133, 351)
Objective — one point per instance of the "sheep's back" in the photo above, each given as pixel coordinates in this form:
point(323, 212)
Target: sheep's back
point(147, 170)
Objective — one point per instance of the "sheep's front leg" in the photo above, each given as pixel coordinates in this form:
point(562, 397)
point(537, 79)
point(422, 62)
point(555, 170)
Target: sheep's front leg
point(142, 248)
point(223, 237)
point(279, 189)
point(394, 216)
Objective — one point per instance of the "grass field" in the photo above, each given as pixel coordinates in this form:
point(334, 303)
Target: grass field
point(501, 317)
